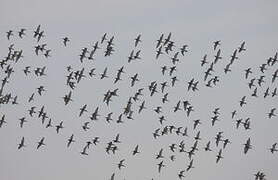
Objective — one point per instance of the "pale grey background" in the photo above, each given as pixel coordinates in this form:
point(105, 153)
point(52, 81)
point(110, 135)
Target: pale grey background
point(196, 23)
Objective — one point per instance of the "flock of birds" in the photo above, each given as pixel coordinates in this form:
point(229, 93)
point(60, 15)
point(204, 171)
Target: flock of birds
point(259, 86)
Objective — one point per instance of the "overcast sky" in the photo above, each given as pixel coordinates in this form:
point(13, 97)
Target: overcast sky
point(194, 23)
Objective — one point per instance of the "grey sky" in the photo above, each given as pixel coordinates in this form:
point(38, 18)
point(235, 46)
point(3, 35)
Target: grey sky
point(196, 23)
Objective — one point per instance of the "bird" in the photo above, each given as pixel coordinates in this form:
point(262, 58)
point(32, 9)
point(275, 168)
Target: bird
point(271, 113)
point(217, 56)
point(183, 49)
point(37, 31)
point(241, 48)
point(96, 140)
point(159, 155)
point(226, 141)
point(70, 140)
point(207, 148)
point(160, 166)
point(273, 148)
point(190, 166)
point(21, 33)
point(21, 144)
point(82, 110)
point(9, 34)
point(233, 56)
point(134, 79)
point(117, 139)
point(158, 52)
point(121, 164)
point(219, 156)
point(49, 123)
point(181, 174)
point(59, 126)
point(85, 126)
point(216, 44)
point(65, 41)
point(137, 40)
point(41, 143)
point(247, 72)
point(22, 121)
point(141, 107)
point(84, 151)
point(247, 146)
point(95, 115)
point(104, 74)
point(103, 38)
point(242, 101)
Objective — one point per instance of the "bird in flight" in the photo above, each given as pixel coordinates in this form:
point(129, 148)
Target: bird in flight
point(41, 143)
point(65, 41)
point(21, 144)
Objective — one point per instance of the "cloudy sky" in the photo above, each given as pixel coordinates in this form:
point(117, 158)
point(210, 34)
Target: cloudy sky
point(194, 23)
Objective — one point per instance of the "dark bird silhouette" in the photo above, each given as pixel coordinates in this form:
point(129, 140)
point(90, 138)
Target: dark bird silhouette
point(59, 126)
point(85, 126)
point(226, 141)
point(263, 68)
point(217, 56)
point(137, 40)
point(134, 79)
point(274, 76)
point(254, 94)
point(95, 115)
point(104, 74)
point(242, 101)
point(82, 110)
point(175, 58)
point(41, 143)
point(233, 57)
point(21, 33)
point(159, 155)
point(70, 141)
point(141, 107)
point(274, 93)
point(67, 98)
point(160, 40)
point(2, 121)
point(247, 72)
point(49, 123)
point(271, 113)
point(190, 166)
point(160, 166)
point(32, 111)
point(207, 148)
point(204, 60)
point(216, 44)
point(37, 31)
point(219, 156)
point(121, 164)
point(21, 144)
point(135, 151)
point(96, 140)
point(65, 41)
point(22, 121)
point(273, 148)
point(117, 139)
point(103, 38)
point(242, 48)
point(158, 52)
point(247, 146)
point(184, 49)
point(181, 174)
point(84, 151)
point(9, 34)
point(227, 68)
